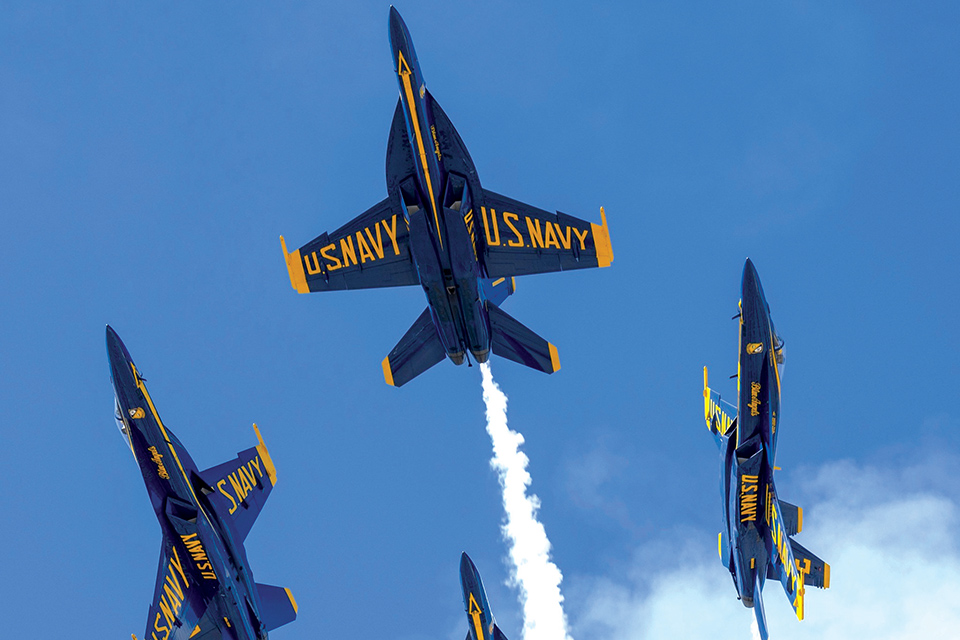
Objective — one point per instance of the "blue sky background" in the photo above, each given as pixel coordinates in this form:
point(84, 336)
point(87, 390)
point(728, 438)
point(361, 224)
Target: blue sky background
point(151, 155)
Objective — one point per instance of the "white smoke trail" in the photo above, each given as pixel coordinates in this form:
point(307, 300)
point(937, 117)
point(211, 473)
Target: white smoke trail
point(532, 571)
point(754, 629)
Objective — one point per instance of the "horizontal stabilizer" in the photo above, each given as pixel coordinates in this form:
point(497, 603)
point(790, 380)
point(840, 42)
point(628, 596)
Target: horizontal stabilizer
point(277, 606)
point(418, 350)
point(515, 342)
point(239, 488)
point(497, 634)
point(816, 572)
point(792, 518)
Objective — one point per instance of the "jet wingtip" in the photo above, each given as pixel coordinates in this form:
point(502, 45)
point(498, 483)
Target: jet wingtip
point(298, 278)
point(387, 371)
point(601, 238)
point(265, 456)
point(554, 358)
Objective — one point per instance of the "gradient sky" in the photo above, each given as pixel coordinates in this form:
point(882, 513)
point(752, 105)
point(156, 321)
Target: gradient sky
point(151, 155)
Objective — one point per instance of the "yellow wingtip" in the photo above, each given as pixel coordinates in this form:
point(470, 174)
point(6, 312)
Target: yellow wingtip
point(296, 609)
point(601, 239)
point(706, 397)
point(554, 358)
point(387, 371)
point(826, 575)
point(799, 519)
point(265, 456)
point(298, 278)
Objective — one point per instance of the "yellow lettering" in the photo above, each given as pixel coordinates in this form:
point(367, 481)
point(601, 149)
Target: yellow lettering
point(172, 588)
point(237, 487)
point(549, 235)
point(392, 233)
point(495, 240)
point(564, 242)
point(376, 244)
point(256, 463)
point(518, 242)
point(175, 561)
point(349, 253)
point(581, 238)
point(536, 237)
point(156, 625)
point(364, 248)
point(168, 612)
point(220, 486)
point(247, 485)
point(333, 262)
point(312, 269)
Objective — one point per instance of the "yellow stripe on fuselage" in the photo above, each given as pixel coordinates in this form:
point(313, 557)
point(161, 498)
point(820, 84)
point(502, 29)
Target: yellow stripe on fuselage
point(475, 612)
point(163, 430)
point(403, 70)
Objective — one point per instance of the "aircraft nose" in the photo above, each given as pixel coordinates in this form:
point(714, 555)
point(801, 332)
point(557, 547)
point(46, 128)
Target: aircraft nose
point(467, 568)
point(750, 288)
point(120, 360)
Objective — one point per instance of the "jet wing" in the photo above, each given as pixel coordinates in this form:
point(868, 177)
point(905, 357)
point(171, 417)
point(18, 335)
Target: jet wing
point(240, 487)
point(372, 250)
point(520, 239)
point(717, 412)
point(178, 602)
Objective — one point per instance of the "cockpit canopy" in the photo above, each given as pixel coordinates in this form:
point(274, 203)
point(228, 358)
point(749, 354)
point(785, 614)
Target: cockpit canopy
point(779, 352)
point(122, 423)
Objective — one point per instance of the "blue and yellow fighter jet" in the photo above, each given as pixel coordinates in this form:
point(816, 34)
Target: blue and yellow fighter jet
point(205, 588)
point(756, 543)
point(480, 621)
point(439, 229)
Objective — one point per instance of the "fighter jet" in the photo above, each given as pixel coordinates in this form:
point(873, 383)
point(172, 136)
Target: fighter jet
point(480, 622)
point(205, 588)
point(756, 543)
point(439, 229)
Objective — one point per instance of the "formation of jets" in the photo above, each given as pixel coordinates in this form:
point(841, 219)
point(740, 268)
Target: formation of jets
point(464, 245)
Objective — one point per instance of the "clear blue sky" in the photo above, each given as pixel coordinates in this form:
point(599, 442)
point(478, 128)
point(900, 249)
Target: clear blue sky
point(150, 156)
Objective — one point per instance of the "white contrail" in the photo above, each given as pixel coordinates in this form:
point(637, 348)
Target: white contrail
point(532, 571)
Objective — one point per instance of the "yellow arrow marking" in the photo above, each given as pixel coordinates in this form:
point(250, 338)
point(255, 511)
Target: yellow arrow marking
point(475, 612)
point(403, 69)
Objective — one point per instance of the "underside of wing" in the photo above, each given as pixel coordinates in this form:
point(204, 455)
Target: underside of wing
point(720, 415)
point(239, 488)
point(520, 239)
point(178, 603)
point(372, 250)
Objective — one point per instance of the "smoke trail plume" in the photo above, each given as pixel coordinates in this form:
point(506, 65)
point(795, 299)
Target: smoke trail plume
point(532, 571)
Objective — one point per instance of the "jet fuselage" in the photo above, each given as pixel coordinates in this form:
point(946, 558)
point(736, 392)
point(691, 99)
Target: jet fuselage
point(439, 207)
point(184, 513)
point(750, 459)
